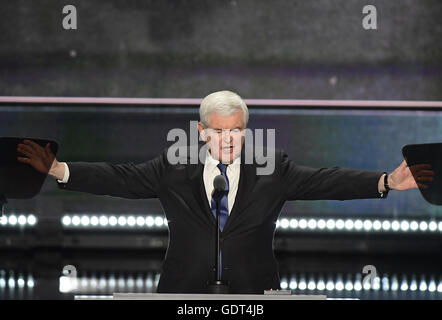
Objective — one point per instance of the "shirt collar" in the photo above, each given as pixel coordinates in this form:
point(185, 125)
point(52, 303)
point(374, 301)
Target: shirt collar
point(212, 162)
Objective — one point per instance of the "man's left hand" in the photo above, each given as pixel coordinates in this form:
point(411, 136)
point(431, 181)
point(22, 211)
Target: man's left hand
point(404, 178)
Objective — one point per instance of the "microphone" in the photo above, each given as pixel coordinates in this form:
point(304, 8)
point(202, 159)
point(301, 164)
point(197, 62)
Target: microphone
point(219, 185)
point(218, 286)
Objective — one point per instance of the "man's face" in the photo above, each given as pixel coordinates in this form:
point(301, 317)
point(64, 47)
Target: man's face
point(224, 136)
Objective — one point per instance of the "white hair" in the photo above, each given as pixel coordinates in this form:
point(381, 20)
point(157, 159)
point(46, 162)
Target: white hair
point(224, 103)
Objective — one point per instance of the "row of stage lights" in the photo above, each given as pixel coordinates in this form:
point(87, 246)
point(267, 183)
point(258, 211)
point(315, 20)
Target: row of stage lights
point(356, 283)
point(12, 281)
point(285, 224)
point(301, 283)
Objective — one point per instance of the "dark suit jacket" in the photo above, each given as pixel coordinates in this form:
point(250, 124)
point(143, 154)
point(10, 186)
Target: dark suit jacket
point(246, 241)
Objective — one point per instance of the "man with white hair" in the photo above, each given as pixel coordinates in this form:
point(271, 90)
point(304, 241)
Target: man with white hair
point(249, 207)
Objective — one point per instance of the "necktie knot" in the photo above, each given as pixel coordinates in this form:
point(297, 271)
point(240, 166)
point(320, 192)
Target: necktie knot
point(222, 167)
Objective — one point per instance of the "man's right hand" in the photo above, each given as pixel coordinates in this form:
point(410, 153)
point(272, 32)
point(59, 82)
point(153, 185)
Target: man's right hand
point(41, 159)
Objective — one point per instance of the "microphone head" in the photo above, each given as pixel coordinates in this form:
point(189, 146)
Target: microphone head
point(219, 183)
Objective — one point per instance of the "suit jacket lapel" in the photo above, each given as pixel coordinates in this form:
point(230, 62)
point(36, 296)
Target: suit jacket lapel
point(247, 179)
point(195, 174)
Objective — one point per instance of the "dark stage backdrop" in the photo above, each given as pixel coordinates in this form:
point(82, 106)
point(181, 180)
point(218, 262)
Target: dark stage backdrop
point(261, 49)
point(364, 139)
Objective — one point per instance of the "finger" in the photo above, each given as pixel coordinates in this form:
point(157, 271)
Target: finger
point(24, 147)
point(35, 146)
point(425, 178)
point(47, 149)
point(426, 173)
point(403, 164)
point(418, 167)
point(422, 186)
point(24, 160)
point(26, 150)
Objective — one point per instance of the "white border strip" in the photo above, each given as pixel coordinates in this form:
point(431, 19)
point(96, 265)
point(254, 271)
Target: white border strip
point(250, 102)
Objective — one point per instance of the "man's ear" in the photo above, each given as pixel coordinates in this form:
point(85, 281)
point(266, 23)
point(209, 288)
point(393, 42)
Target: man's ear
point(201, 131)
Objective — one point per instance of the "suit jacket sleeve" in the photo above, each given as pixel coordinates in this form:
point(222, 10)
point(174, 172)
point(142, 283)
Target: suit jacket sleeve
point(305, 183)
point(133, 181)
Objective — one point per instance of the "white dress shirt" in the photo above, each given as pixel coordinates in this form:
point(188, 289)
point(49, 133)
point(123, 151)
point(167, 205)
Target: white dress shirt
point(210, 172)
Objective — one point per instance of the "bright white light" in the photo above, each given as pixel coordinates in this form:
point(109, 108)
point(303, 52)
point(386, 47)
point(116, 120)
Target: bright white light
point(394, 284)
point(432, 286)
point(20, 282)
point(122, 221)
point(376, 283)
point(322, 224)
point(321, 285)
point(21, 220)
point(312, 224)
point(150, 221)
point(439, 287)
point(414, 225)
point(367, 225)
point(413, 285)
point(32, 220)
point(303, 223)
point(159, 221)
point(302, 285)
point(432, 226)
point(66, 220)
point(140, 221)
point(94, 221)
point(3, 220)
point(395, 225)
point(358, 224)
point(386, 225)
point(103, 221)
point(84, 221)
point(349, 286)
point(349, 224)
point(339, 286)
point(11, 283)
point(405, 225)
point(340, 224)
point(311, 285)
point(293, 223)
point(367, 285)
point(130, 282)
point(439, 225)
point(76, 220)
point(423, 286)
point(404, 285)
point(113, 221)
point(284, 284)
point(423, 226)
point(330, 285)
point(30, 283)
point(330, 224)
point(293, 285)
point(12, 220)
point(131, 221)
point(285, 223)
point(357, 286)
point(377, 225)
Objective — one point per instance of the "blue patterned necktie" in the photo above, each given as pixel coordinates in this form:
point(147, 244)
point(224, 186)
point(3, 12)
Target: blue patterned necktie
point(223, 203)
point(223, 208)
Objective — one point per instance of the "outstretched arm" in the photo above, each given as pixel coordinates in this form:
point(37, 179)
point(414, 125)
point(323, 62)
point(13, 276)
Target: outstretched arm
point(120, 180)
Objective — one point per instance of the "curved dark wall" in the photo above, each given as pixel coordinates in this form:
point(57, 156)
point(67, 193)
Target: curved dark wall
point(261, 49)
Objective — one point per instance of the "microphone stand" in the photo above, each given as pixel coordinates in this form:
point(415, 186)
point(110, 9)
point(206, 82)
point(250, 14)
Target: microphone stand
point(218, 286)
